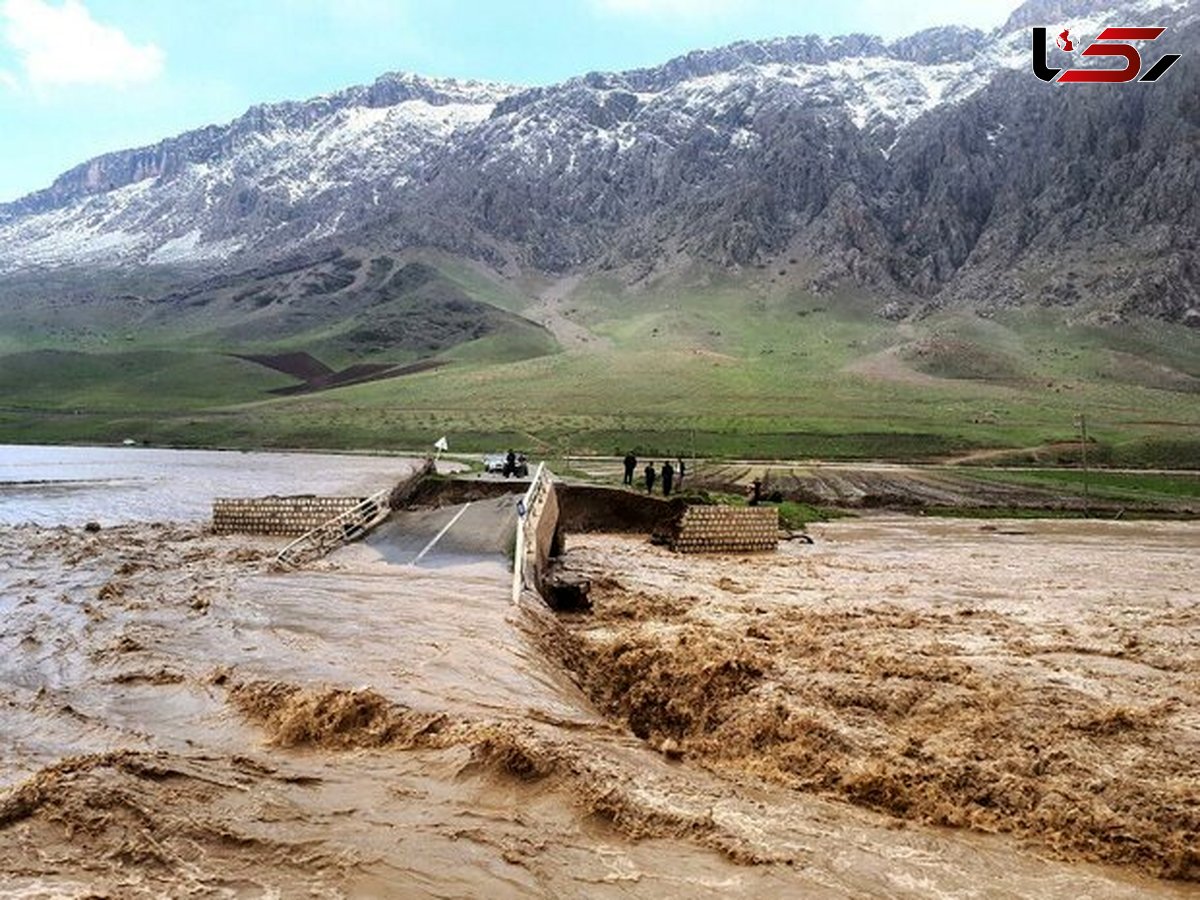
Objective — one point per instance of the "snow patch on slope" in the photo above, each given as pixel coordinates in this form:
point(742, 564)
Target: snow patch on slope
point(160, 220)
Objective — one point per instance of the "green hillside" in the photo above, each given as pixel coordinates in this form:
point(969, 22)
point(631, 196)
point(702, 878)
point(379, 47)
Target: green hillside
point(749, 365)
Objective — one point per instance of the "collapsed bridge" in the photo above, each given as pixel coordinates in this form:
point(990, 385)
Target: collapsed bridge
point(427, 520)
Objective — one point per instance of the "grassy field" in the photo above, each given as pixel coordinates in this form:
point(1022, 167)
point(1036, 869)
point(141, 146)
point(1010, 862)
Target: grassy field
point(701, 364)
point(1103, 485)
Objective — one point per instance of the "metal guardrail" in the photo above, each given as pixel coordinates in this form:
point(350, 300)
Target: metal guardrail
point(529, 507)
point(341, 529)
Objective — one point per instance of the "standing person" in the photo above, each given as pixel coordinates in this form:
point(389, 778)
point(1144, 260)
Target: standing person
point(630, 466)
point(510, 463)
point(650, 476)
point(682, 470)
point(757, 498)
point(668, 476)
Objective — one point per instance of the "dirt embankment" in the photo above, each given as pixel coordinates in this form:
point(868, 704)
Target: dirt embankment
point(1076, 726)
point(582, 507)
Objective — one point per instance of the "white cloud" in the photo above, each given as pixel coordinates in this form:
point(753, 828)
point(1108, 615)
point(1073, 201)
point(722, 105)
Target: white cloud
point(664, 9)
point(63, 45)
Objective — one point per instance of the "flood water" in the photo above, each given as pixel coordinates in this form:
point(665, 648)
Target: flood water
point(111, 485)
point(177, 719)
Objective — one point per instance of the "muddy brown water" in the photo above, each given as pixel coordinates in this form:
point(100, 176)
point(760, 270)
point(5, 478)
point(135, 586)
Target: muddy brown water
point(179, 720)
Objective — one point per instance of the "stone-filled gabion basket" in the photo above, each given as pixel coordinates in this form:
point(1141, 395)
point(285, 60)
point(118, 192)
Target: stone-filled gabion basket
point(282, 516)
point(725, 529)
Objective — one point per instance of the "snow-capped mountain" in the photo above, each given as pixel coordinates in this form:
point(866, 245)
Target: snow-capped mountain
point(280, 175)
point(935, 165)
point(169, 202)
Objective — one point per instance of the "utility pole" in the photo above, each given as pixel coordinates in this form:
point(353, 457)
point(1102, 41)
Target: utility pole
point(1082, 420)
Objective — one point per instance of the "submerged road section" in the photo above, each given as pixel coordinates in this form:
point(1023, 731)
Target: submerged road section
point(476, 531)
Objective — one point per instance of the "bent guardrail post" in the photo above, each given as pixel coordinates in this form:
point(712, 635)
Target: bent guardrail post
point(353, 523)
point(341, 529)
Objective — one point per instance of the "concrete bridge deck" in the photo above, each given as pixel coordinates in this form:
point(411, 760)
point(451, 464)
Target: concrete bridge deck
point(463, 533)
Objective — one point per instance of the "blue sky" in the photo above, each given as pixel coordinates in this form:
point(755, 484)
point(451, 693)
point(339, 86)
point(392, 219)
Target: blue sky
point(82, 77)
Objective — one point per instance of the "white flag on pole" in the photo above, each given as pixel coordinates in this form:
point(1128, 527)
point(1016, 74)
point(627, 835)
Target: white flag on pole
point(442, 444)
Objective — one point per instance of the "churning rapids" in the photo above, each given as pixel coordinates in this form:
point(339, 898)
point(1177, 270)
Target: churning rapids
point(177, 719)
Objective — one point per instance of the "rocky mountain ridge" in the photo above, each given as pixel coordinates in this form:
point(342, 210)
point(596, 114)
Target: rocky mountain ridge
point(934, 169)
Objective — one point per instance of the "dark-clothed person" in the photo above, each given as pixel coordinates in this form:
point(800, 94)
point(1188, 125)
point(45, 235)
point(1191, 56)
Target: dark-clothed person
point(510, 464)
point(650, 476)
point(757, 498)
point(668, 476)
point(630, 466)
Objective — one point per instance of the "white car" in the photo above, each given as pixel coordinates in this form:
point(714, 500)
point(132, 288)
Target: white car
point(495, 463)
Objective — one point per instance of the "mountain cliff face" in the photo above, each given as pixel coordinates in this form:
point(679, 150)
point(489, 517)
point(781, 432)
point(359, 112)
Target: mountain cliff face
point(277, 178)
point(934, 169)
